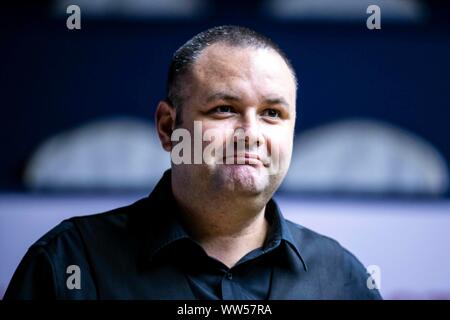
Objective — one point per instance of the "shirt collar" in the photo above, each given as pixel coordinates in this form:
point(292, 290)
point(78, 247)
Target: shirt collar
point(280, 229)
point(166, 228)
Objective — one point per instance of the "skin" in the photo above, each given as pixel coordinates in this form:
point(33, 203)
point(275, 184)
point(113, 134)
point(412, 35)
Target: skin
point(228, 89)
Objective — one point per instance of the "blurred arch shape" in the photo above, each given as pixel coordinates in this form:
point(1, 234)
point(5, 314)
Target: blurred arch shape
point(116, 153)
point(352, 156)
point(365, 156)
point(134, 9)
point(398, 11)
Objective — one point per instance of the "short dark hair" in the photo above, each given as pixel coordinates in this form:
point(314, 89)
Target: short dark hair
point(186, 55)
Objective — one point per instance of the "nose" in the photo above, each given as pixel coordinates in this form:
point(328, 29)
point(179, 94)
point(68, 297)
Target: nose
point(248, 129)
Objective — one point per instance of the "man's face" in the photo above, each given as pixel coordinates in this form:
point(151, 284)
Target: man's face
point(244, 90)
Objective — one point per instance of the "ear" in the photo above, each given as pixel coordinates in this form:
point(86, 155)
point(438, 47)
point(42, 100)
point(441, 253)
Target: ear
point(165, 123)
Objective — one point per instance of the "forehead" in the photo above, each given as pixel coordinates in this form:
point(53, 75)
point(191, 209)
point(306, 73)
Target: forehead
point(248, 71)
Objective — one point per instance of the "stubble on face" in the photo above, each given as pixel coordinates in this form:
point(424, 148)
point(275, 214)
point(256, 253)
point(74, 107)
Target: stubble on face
point(242, 78)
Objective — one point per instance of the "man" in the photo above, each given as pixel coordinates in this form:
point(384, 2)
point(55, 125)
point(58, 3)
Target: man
point(210, 229)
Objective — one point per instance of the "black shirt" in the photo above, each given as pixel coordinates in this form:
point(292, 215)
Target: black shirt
point(142, 251)
point(251, 276)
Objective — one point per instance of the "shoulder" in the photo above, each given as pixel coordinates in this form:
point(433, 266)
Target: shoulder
point(331, 262)
point(64, 230)
point(42, 272)
point(317, 246)
point(68, 231)
point(71, 239)
point(307, 237)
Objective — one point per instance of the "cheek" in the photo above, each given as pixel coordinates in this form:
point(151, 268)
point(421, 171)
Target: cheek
point(219, 130)
point(216, 125)
point(281, 139)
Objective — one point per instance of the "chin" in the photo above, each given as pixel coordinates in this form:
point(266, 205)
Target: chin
point(243, 179)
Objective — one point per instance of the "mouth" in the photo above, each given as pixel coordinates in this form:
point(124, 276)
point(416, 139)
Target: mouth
point(244, 159)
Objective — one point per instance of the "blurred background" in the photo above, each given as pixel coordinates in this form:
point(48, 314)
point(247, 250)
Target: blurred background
point(370, 163)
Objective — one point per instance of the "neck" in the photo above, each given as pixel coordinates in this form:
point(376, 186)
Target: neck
point(227, 229)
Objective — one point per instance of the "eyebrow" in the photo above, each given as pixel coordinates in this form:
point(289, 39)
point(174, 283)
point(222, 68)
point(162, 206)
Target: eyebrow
point(222, 96)
point(280, 100)
point(230, 97)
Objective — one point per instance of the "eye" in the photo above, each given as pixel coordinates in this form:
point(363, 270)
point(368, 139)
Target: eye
point(223, 109)
point(272, 113)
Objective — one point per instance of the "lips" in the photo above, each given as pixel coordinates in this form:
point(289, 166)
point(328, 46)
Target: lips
point(246, 158)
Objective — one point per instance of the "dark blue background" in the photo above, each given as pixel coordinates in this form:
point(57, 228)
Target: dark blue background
point(53, 79)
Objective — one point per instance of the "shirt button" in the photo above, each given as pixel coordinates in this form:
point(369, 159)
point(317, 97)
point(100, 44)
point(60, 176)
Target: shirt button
point(229, 275)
